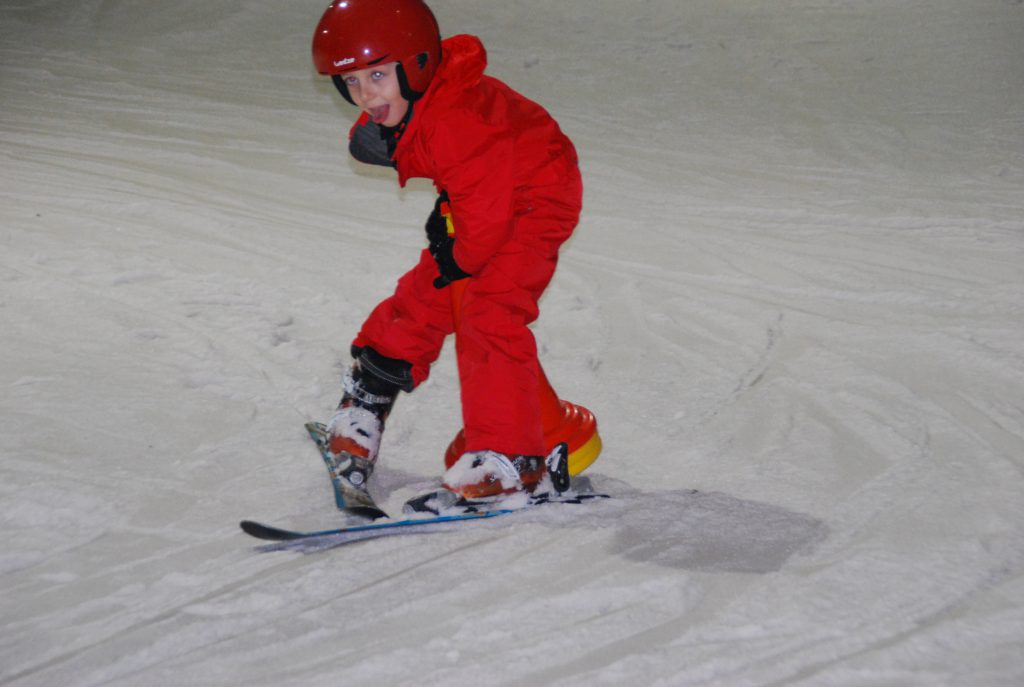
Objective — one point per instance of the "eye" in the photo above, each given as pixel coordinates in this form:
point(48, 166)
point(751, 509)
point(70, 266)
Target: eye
point(351, 81)
point(377, 76)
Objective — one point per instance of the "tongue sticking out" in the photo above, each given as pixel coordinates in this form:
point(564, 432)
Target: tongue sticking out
point(379, 114)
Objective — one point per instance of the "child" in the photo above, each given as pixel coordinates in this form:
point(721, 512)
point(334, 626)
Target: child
point(509, 182)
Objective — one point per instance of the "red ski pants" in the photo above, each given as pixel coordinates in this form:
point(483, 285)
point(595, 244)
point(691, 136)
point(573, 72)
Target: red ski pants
point(496, 351)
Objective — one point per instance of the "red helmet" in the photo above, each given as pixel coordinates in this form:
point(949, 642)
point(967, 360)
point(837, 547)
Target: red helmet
point(356, 34)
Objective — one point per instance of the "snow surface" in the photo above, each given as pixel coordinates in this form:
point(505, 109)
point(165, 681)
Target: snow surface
point(795, 302)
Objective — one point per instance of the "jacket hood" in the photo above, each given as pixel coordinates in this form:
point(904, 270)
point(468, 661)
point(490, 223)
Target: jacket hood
point(463, 61)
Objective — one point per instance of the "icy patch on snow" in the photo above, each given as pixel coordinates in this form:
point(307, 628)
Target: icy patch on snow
point(692, 530)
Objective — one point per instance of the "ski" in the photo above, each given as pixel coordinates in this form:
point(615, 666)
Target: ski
point(452, 515)
point(430, 512)
point(361, 532)
point(348, 499)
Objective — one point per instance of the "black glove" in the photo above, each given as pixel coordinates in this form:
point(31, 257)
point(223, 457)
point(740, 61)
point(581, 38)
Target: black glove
point(437, 224)
point(441, 244)
point(450, 270)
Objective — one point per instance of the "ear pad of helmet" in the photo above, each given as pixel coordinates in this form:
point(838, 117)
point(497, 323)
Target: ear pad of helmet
point(339, 83)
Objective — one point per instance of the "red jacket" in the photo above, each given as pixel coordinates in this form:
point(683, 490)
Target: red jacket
point(496, 153)
point(515, 192)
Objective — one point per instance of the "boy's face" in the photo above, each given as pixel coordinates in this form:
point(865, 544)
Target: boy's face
point(376, 91)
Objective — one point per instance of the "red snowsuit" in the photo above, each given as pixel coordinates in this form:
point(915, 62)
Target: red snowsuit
point(515, 193)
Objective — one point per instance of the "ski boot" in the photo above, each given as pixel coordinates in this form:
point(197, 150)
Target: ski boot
point(354, 433)
point(490, 475)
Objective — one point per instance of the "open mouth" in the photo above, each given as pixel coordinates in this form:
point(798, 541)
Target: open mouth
point(379, 114)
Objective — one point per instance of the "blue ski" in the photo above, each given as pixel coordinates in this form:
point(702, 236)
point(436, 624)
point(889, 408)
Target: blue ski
point(353, 533)
point(417, 525)
point(435, 511)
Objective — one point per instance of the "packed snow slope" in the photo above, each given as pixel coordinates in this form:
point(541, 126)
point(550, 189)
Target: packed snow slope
point(795, 302)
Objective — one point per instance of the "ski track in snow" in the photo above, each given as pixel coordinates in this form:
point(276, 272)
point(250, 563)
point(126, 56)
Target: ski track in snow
point(795, 302)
